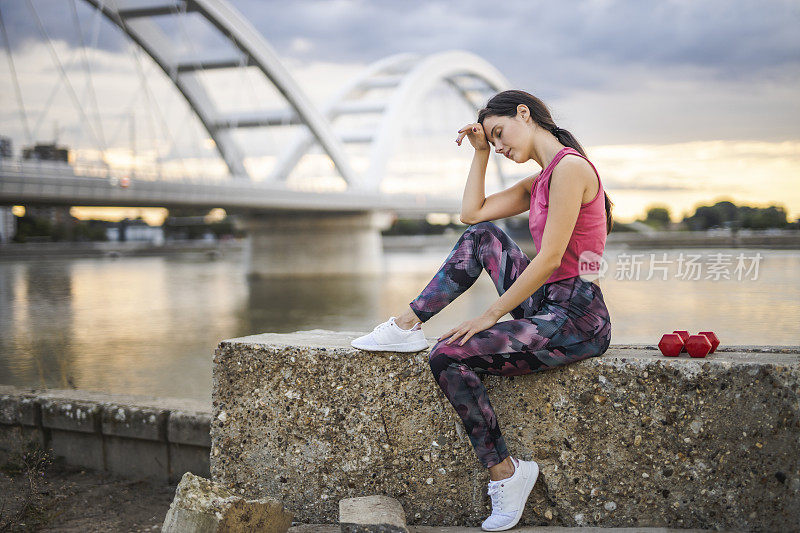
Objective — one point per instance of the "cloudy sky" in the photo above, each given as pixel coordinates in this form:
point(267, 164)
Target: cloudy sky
point(679, 103)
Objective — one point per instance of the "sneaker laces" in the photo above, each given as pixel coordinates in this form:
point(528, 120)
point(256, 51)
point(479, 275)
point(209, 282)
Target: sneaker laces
point(384, 325)
point(495, 492)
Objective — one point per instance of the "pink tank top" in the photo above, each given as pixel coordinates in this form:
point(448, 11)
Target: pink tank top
point(588, 239)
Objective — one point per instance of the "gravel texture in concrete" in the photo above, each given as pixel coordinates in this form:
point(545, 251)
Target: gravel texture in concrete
point(629, 439)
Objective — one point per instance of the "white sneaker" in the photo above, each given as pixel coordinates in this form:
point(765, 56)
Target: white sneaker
point(389, 337)
point(509, 496)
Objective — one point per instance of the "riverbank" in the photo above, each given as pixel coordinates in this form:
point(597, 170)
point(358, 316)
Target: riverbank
point(65, 498)
point(769, 239)
point(113, 250)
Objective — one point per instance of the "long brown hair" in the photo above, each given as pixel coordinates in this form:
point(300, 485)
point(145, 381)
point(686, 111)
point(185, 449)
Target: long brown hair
point(505, 104)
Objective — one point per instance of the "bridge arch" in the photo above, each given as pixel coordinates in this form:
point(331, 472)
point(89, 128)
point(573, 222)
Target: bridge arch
point(137, 21)
point(409, 77)
point(458, 69)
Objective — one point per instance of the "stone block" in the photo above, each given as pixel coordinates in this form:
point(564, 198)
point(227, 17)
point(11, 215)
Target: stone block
point(189, 428)
point(628, 439)
point(202, 506)
point(137, 458)
point(79, 449)
point(184, 458)
point(372, 514)
point(134, 421)
point(18, 407)
point(71, 415)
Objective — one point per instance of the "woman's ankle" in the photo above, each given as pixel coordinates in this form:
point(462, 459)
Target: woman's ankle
point(503, 470)
point(407, 320)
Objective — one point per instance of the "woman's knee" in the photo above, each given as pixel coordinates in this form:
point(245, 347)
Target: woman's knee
point(438, 359)
point(483, 226)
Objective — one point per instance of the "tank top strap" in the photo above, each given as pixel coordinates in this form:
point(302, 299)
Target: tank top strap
point(567, 150)
point(561, 153)
point(547, 173)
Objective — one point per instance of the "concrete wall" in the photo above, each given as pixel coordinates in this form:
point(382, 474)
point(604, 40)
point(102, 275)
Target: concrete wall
point(628, 439)
point(134, 436)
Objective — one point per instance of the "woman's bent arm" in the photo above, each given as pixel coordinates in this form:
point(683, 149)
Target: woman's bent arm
point(475, 207)
point(512, 201)
point(475, 189)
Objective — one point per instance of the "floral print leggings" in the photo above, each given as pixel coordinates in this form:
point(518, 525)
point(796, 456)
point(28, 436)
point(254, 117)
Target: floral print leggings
point(562, 322)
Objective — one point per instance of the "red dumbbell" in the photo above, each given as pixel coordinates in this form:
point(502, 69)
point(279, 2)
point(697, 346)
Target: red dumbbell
point(697, 345)
point(711, 337)
point(671, 344)
point(684, 336)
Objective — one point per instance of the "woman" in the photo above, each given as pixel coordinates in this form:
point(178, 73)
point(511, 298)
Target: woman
point(559, 315)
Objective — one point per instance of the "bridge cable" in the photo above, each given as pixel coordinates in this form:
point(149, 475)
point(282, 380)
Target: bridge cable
point(57, 61)
point(17, 91)
point(54, 91)
point(271, 135)
point(50, 99)
point(129, 106)
point(152, 102)
point(57, 85)
point(181, 12)
point(127, 110)
point(89, 83)
point(149, 101)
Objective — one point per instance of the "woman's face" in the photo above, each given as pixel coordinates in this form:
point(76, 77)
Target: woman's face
point(510, 136)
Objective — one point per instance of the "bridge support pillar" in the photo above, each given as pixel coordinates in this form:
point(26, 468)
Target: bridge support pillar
point(309, 244)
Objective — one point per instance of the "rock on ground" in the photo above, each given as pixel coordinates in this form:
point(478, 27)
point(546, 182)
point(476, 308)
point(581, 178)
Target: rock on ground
point(372, 514)
point(202, 506)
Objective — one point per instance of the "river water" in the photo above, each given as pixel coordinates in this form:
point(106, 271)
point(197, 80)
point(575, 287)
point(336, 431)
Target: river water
point(150, 325)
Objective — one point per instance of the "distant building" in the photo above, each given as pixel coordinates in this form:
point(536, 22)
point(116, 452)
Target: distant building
point(58, 216)
point(6, 150)
point(46, 152)
point(135, 231)
point(8, 225)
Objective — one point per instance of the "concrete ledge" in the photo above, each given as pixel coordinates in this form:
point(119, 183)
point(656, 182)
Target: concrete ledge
point(20, 409)
point(135, 436)
point(135, 421)
point(77, 448)
point(629, 439)
point(185, 458)
point(71, 415)
point(191, 428)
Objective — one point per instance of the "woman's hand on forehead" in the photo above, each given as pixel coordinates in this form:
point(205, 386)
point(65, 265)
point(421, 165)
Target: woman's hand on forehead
point(476, 135)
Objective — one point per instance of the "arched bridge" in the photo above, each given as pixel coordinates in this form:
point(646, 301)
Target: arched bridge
point(401, 80)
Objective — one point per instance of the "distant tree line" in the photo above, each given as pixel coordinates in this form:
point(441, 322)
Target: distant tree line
point(32, 228)
point(722, 214)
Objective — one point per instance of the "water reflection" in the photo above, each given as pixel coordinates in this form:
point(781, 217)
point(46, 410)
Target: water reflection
point(284, 305)
point(150, 325)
